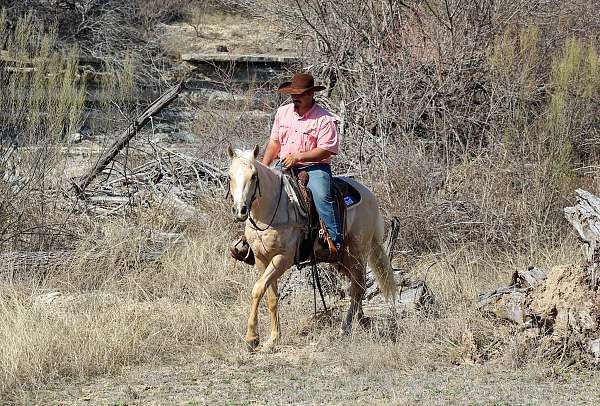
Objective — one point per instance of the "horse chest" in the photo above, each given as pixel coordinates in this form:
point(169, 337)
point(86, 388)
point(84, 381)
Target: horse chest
point(269, 242)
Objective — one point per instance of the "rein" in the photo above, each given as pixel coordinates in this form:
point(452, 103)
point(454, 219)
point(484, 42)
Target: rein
point(316, 283)
point(257, 187)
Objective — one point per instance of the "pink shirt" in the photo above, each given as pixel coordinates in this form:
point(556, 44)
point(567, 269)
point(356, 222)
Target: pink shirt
point(315, 129)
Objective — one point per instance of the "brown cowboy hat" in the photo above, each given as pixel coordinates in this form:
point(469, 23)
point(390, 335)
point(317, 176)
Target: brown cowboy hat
point(300, 83)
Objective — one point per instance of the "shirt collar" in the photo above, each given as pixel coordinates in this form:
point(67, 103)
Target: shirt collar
point(307, 114)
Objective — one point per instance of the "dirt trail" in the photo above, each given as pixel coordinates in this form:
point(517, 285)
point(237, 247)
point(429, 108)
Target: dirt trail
point(310, 376)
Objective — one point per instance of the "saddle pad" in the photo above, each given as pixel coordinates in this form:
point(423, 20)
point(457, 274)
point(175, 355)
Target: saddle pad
point(349, 193)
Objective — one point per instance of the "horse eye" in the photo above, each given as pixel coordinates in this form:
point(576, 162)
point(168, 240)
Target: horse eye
point(253, 176)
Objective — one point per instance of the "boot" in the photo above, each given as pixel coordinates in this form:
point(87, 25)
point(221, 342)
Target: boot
point(329, 253)
point(241, 251)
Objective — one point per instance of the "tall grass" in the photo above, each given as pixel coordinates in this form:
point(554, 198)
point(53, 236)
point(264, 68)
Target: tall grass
point(41, 103)
point(42, 98)
point(116, 311)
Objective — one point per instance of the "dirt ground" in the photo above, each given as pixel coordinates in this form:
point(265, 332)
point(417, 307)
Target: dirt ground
point(316, 374)
point(239, 34)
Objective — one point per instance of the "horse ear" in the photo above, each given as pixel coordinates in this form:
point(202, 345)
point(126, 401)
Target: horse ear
point(230, 151)
point(256, 151)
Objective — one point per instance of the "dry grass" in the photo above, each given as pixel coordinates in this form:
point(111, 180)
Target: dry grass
point(119, 312)
point(205, 29)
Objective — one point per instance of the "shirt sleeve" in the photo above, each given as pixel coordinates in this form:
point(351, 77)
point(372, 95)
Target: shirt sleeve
point(327, 137)
point(275, 129)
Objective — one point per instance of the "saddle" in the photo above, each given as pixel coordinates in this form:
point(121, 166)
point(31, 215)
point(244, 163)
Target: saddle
point(345, 195)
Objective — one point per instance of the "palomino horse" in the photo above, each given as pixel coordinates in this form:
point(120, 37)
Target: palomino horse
point(257, 193)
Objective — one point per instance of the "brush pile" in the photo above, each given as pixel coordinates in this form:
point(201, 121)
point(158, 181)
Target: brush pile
point(560, 307)
point(170, 180)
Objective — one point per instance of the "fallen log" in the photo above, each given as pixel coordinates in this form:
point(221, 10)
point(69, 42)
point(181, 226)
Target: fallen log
point(20, 265)
point(159, 104)
point(506, 303)
point(412, 296)
point(510, 303)
point(530, 278)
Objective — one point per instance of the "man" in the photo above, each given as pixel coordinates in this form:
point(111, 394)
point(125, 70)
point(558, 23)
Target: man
point(304, 136)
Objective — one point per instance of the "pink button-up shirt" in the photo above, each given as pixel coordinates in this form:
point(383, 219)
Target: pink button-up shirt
point(315, 129)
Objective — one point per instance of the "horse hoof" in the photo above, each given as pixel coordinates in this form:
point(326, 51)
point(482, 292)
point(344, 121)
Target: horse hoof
point(268, 347)
point(252, 344)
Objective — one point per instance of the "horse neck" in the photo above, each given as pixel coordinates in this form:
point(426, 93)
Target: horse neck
point(267, 199)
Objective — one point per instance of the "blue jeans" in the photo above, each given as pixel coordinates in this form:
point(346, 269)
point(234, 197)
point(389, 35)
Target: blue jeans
point(320, 183)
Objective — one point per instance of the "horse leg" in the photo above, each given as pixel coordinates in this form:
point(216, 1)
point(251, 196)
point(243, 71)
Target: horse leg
point(252, 339)
point(272, 298)
point(276, 268)
point(357, 290)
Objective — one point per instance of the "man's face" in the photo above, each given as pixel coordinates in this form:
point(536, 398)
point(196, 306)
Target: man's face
point(303, 101)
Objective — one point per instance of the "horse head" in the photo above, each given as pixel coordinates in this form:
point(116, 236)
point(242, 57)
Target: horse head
point(243, 181)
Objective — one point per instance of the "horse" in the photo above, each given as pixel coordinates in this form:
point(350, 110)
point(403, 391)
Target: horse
point(274, 233)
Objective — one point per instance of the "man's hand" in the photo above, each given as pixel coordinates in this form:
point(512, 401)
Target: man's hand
point(291, 159)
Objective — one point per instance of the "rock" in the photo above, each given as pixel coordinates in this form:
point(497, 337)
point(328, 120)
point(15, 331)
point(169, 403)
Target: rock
point(83, 134)
point(530, 278)
point(505, 303)
point(167, 128)
point(75, 138)
point(222, 48)
point(49, 298)
point(595, 347)
point(160, 137)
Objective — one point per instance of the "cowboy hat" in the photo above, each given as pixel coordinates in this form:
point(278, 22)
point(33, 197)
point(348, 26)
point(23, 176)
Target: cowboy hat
point(300, 83)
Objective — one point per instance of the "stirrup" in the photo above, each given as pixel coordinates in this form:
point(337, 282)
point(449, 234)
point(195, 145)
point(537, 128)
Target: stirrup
point(241, 251)
point(332, 255)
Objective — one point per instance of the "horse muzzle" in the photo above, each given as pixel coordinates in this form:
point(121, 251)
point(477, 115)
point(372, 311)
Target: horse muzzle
point(240, 212)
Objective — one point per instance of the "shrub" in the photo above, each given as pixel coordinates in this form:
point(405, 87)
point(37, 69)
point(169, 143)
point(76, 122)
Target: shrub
point(41, 103)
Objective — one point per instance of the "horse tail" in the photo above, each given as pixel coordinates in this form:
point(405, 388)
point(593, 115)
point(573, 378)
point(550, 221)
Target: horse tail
point(380, 263)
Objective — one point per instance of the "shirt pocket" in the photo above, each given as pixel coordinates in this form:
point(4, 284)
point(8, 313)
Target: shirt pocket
point(283, 134)
point(309, 139)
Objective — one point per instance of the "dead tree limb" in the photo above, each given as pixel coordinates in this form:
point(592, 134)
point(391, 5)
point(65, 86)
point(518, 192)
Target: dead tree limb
point(585, 218)
point(163, 101)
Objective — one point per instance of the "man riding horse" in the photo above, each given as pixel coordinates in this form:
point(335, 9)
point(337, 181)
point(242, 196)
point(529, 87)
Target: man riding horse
point(304, 136)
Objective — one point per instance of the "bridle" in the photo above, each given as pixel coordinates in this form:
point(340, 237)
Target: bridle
point(257, 187)
point(257, 190)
